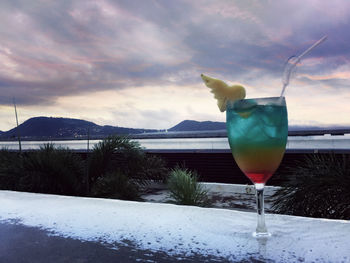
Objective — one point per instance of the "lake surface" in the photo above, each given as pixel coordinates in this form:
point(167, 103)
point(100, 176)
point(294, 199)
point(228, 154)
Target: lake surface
point(335, 142)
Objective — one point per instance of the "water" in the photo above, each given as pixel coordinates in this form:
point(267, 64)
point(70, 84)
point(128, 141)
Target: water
point(338, 142)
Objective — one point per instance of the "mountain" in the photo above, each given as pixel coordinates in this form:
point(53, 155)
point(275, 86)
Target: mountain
point(189, 125)
point(59, 128)
point(49, 127)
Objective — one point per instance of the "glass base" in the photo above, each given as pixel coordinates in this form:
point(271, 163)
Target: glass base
point(261, 234)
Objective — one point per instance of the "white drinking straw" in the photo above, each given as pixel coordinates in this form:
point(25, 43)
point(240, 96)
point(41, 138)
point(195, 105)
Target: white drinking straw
point(293, 61)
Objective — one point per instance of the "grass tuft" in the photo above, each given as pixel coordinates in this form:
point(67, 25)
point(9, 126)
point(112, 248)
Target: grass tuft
point(116, 185)
point(185, 189)
point(320, 188)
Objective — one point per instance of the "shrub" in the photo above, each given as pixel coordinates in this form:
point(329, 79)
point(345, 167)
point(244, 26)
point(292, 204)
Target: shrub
point(10, 169)
point(320, 188)
point(120, 155)
point(185, 189)
point(152, 168)
point(103, 158)
point(116, 185)
point(52, 170)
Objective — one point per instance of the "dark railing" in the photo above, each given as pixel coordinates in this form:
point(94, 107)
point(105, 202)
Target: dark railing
point(220, 167)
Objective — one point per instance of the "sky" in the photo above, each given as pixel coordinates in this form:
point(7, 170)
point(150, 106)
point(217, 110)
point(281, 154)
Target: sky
point(138, 63)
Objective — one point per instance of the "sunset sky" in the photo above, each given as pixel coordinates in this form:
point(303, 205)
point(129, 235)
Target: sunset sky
point(138, 63)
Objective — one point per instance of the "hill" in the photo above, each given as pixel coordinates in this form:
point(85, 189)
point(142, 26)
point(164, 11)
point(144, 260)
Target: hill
point(41, 128)
point(49, 127)
point(190, 125)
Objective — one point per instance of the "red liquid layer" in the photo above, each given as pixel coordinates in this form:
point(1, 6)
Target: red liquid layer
point(258, 178)
point(258, 164)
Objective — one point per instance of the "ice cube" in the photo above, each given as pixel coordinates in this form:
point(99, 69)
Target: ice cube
point(244, 105)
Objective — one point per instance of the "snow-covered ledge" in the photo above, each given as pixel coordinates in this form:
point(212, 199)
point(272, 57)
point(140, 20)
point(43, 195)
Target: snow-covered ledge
point(228, 189)
point(181, 229)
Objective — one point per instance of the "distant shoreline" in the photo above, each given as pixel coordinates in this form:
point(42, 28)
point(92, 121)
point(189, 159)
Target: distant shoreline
point(177, 134)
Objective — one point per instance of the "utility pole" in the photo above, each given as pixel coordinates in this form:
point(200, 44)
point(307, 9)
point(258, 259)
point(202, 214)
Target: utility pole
point(87, 189)
point(18, 133)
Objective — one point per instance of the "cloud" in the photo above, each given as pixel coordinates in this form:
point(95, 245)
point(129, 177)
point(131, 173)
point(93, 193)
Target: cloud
point(50, 51)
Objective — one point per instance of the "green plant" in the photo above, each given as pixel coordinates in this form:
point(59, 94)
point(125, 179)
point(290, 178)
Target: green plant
point(117, 153)
point(185, 189)
point(10, 169)
point(52, 170)
point(116, 185)
point(152, 168)
point(103, 156)
point(320, 188)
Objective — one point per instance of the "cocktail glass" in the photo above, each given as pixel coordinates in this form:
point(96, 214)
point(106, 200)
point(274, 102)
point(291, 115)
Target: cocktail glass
point(257, 131)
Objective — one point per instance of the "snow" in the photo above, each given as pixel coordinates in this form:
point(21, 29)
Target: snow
point(230, 196)
point(180, 229)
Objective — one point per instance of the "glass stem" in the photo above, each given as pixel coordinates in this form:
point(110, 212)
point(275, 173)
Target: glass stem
point(261, 227)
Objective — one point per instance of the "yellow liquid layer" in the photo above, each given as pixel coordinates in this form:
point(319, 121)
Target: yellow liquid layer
point(263, 160)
